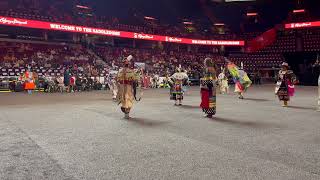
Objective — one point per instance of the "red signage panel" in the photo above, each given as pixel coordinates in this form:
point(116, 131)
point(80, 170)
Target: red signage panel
point(302, 25)
point(9, 21)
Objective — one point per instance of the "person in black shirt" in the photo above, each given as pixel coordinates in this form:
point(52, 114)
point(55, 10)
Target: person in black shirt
point(66, 79)
point(78, 84)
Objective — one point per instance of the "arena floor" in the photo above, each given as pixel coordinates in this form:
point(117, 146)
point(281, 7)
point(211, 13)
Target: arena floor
point(83, 136)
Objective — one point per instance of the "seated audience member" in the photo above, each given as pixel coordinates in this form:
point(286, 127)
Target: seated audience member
point(78, 84)
point(72, 83)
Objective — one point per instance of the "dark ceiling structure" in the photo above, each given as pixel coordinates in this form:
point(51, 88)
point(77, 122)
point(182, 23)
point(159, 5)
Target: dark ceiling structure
point(233, 14)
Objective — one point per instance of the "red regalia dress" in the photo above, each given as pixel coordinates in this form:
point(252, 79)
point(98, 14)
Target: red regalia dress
point(208, 85)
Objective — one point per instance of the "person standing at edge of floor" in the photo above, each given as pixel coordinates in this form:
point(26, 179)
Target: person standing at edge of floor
point(316, 67)
point(319, 93)
point(285, 84)
point(208, 86)
point(66, 79)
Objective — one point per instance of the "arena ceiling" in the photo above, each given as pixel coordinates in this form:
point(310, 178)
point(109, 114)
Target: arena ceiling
point(270, 12)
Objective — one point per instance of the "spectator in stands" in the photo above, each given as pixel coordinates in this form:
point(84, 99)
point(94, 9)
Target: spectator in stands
point(66, 79)
point(90, 83)
point(95, 73)
point(78, 84)
point(72, 83)
point(97, 85)
point(84, 84)
point(46, 79)
point(60, 83)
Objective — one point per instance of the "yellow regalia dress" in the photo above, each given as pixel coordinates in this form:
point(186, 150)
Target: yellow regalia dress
point(126, 78)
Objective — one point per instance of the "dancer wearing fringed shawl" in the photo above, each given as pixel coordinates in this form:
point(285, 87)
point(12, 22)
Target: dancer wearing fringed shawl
point(208, 84)
point(240, 78)
point(285, 84)
point(127, 80)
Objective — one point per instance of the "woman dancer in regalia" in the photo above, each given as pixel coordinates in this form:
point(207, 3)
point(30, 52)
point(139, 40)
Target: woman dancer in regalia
point(208, 88)
point(176, 90)
point(285, 84)
point(112, 83)
point(127, 80)
point(240, 78)
point(223, 82)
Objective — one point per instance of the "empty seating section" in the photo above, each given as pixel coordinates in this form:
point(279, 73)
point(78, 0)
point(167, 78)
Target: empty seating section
point(286, 42)
point(311, 39)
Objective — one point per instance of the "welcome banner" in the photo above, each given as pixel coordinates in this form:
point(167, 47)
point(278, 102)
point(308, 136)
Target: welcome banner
point(10, 21)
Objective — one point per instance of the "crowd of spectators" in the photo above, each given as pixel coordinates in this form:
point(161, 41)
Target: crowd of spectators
point(158, 62)
point(18, 54)
point(53, 65)
point(47, 60)
point(53, 59)
point(59, 11)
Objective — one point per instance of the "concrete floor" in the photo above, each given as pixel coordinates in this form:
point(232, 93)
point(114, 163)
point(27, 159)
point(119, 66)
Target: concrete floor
point(83, 136)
